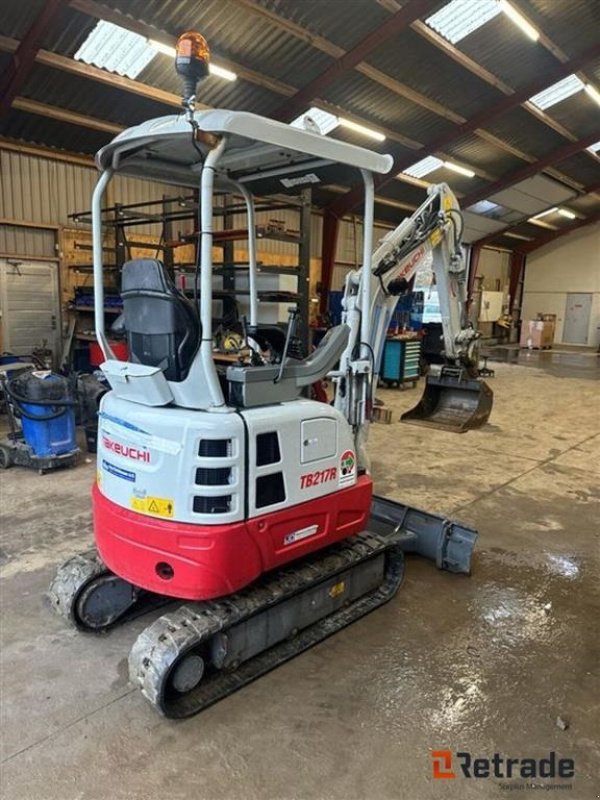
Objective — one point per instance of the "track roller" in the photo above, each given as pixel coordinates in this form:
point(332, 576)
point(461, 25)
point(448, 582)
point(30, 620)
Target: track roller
point(202, 652)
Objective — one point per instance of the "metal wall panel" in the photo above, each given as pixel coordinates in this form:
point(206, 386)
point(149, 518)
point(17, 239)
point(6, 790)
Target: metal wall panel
point(27, 241)
point(35, 189)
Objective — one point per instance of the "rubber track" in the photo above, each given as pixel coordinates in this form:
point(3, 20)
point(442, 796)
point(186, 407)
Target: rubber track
point(75, 575)
point(190, 627)
point(70, 579)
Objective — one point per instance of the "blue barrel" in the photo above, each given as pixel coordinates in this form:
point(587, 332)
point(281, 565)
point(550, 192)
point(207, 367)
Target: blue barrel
point(45, 404)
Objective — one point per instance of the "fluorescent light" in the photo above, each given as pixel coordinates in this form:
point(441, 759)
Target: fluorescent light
point(468, 173)
point(160, 47)
point(518, 236)
point(354, 126)
point(424, 167)
point(459, 18)
point(221, 72)
point(592, 92)
point(594, 148)
point(168, 50)
point(115, 49)
point(545, 213)
point(519, 20)
point(564, 212)
point(323, 120)
point(541, 224)
point(557, 92)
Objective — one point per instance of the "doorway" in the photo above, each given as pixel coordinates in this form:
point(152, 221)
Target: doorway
point(577, 318)
point(29, 306)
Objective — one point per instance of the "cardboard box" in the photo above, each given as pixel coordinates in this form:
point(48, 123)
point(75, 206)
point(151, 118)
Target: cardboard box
point(537, 333)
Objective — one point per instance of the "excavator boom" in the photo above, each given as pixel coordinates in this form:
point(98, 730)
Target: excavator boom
point(455, 399)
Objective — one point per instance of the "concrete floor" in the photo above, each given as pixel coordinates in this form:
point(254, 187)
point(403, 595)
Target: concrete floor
point(484, 664)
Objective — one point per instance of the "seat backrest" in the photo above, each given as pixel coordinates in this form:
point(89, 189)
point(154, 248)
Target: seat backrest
point(163, 329)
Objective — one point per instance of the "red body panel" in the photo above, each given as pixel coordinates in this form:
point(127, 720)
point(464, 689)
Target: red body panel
point(215, 560)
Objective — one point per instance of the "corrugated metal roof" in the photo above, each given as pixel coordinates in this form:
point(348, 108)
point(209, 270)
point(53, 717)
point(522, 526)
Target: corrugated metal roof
point(578, 113)
point(480, 153)
point(362, 97)
point(582, 168)
point(49, 132)
point(521, 129)
point(433, 74)
point(507, 52)
point(345, 23)
point(573, 25)
point(17, 18)
point(235, 33)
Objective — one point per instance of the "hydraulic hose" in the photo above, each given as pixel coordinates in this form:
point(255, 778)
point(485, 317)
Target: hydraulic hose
point(57, 404)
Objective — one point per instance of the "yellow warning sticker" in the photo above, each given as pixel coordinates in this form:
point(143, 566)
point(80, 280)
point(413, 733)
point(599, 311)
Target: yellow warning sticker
point(337, 589)
point(435, 237)
point(159, 506)
point(447, 203)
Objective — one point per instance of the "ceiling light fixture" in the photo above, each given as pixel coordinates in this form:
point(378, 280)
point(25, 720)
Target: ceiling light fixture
point(519, 20)
point(354, 126)
point(545, 213)
point(161, 47)
point(468, 173)
point(564, 212)
point(518, 236)
point(594, 148)
point(592, 92)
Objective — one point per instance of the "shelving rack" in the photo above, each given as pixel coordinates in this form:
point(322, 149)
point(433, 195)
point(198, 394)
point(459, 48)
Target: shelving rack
point(119, 220)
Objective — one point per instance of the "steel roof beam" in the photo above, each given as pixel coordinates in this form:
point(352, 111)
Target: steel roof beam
point(345, 204)
point(527, 171)
point(529, 247)
point(23, 58)
point(62, 115)
point(412, 10)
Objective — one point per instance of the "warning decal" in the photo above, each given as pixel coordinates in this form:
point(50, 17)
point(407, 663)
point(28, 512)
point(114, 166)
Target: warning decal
point(158, 506)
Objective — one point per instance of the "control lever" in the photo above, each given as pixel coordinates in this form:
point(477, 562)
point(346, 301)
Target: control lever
point(292, 315)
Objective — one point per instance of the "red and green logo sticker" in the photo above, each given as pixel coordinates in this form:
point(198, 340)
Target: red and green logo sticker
point(347, 466)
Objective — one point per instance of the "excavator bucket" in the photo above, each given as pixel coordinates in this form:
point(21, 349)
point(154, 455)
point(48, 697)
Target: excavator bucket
point(452, 403)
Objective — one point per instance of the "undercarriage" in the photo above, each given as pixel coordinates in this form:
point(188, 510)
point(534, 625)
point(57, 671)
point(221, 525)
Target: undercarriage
point(191, 657)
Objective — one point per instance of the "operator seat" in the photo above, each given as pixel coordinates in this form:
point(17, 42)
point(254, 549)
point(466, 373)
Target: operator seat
point(163, 329)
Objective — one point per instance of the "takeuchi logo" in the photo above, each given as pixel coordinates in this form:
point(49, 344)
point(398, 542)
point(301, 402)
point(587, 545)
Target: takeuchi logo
point(448, 765)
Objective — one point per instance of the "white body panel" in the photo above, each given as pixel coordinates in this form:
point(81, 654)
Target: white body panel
point(148, 458)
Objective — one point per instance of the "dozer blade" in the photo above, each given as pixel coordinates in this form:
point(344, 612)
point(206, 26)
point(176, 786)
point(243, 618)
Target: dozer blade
point(452, 402)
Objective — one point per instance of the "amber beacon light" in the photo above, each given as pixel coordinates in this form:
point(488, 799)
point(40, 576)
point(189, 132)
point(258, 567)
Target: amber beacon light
point(192, 58)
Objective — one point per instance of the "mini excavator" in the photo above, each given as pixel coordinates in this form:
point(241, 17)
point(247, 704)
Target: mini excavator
point(225, 487)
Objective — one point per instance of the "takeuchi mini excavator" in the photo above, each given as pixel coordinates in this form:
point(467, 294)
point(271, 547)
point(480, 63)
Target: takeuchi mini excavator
point(224, 486)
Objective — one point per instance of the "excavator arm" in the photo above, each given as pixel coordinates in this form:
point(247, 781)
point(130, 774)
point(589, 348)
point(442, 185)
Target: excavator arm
point(432, 234)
